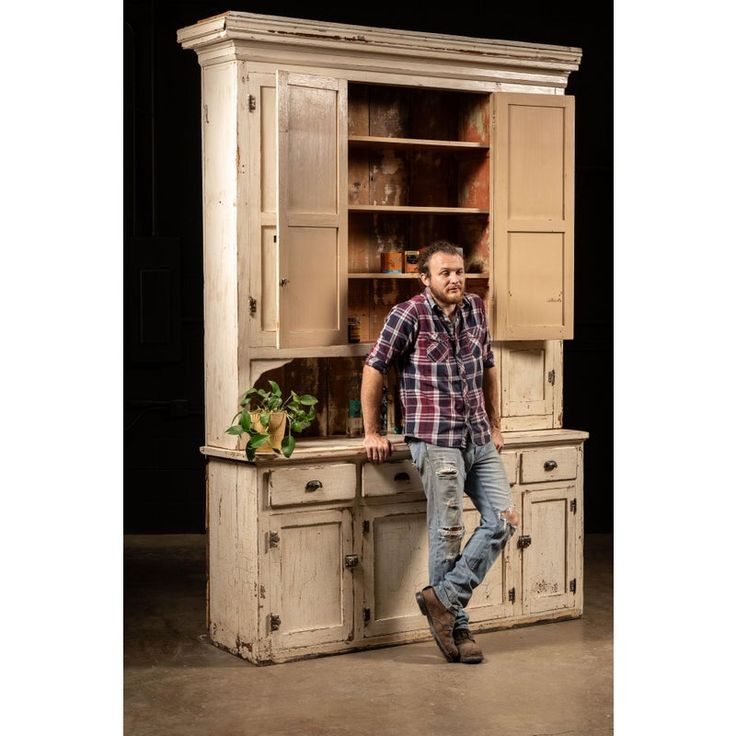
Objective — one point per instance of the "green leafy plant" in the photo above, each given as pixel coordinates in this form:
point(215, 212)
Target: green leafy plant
point(255, 416)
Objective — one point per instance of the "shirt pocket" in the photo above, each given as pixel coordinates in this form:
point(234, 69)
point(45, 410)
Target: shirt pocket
point(434, 347)
point(472, 343)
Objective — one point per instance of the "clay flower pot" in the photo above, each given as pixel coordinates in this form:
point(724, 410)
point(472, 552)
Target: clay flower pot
point(276, 430)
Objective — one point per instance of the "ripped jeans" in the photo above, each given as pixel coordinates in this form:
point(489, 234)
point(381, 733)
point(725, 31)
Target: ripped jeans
point(446, 472)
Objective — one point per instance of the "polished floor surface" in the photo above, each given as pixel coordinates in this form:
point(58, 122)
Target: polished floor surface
point(542, 680)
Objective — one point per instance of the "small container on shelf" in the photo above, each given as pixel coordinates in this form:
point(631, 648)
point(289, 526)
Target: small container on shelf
point(410, 261)
point(353, 329)
point(354, 427)
point(392, 261)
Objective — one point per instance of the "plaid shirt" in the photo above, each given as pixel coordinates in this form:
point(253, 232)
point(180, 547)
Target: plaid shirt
point(440, 363)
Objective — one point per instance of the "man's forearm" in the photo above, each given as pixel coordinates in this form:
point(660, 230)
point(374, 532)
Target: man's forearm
point(491, 394)
point(370, 399)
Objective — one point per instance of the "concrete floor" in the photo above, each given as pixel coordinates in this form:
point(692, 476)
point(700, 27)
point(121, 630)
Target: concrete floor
point(543, 680)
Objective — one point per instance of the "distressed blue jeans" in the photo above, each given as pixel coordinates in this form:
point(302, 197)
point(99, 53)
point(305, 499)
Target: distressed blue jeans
point(447, 473)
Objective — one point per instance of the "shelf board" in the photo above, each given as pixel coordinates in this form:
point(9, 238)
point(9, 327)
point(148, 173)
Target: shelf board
point(406, 275)
point(346, 350)
point(370, 141)
point(416, 210)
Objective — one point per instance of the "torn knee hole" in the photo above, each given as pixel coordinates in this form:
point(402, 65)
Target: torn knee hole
point(447, 471)
point(511, 515)
point(452, 532)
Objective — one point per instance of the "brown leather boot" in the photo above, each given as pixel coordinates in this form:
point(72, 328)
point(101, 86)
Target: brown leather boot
point(441, 621)
point(470, 652)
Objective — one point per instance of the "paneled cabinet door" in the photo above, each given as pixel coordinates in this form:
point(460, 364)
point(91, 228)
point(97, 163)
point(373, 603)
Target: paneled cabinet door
point(549, 548)
point(533, 178)
point(258, 166)
point(531, 384)
point(312, 210)
point(395, 567)
point(310, 586)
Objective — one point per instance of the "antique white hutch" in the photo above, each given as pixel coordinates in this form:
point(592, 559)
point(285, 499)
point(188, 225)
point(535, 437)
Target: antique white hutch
point(323, 146)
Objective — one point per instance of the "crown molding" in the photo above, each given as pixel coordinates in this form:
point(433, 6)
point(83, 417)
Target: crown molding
point(255, 31)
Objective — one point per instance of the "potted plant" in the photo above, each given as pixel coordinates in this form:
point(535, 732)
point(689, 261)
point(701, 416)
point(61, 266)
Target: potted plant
point(265, 417)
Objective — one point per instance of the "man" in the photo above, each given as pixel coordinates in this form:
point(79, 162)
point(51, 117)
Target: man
point(438, 342)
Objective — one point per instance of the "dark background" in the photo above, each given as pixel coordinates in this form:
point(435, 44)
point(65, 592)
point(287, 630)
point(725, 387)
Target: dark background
point(164, 374)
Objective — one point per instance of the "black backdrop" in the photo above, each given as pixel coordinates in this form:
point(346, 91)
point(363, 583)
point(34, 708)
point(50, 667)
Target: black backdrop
point(164, 350)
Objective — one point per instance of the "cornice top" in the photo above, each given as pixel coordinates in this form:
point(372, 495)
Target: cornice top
point(320, 35)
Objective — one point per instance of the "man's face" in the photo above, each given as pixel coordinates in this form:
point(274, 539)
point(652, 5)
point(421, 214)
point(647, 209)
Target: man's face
point(446, 280)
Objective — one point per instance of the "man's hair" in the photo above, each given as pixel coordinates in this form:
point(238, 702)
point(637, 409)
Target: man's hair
point(439, 246)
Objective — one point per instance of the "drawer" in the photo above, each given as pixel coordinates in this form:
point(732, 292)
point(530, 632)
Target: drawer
point(549, 463)
point(510, 461)
point(311, 484)
point(388, 479)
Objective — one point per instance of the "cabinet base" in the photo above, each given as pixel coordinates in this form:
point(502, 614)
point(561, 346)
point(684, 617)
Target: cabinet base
point(251, 653)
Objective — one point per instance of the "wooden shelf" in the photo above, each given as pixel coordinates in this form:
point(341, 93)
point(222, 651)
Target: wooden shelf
point(345, 350)
point(416, 210)
point(370, 141)
point(406, 275)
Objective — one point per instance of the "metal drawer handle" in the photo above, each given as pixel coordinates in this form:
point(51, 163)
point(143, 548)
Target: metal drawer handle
point(550, 465)
point(401, 476)
point(313, 485)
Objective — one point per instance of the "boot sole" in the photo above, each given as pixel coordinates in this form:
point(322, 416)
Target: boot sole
point(423, 608)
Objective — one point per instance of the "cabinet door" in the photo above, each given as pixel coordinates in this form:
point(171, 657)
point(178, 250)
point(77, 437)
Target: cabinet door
point(310, 588)
point(549, 560)
point(312, 217)
point(533, 216)
point(395, 565)
point(258, 165)
point(531, 384)
point(394, 568)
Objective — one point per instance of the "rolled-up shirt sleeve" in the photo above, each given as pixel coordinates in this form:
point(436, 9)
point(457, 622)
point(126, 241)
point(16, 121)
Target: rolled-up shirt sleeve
point(399, 331)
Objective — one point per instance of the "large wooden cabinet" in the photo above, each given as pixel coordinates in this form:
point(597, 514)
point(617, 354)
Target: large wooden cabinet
point(324, 147)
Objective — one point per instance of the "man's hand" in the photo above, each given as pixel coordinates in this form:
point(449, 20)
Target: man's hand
point(377, 448)
point(497, 438)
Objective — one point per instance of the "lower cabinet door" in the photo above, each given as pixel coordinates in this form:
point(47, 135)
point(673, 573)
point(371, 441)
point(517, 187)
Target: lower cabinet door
point(490, 599)
point(310, 558)
point(395, 567)
point(549, 544)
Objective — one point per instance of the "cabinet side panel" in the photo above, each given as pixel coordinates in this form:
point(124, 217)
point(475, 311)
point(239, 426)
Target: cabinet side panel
point(232, 556)
point(219, 89)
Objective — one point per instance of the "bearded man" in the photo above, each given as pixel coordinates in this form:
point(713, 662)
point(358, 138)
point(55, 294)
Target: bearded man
point(440, 346)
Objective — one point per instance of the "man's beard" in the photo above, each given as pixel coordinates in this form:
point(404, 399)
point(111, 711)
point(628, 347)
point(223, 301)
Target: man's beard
point(440, 296)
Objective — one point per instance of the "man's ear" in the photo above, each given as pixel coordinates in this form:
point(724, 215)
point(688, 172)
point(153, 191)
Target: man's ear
point(424, 277)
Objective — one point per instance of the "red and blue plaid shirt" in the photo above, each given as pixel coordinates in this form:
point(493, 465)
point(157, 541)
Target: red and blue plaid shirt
point(440, 363)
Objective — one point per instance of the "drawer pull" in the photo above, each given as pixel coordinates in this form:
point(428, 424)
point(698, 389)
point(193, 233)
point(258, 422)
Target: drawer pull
point(313, 485)
point(550, 464)
point(401, 476)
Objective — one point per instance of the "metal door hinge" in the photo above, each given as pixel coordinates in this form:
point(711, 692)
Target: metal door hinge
point(351, 560)
point(366, 526)
point(273, 540)
point(252, 304)
point(512, 595)
point(574, 505)
point(274, 621)
point(524, 541)
point(366, 614)
point(251, 103)
point(551, 376)
point(573, 585)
